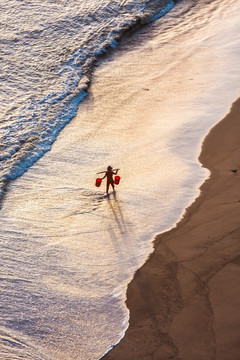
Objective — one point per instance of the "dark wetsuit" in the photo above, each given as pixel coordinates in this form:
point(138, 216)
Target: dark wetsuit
point(109, 175)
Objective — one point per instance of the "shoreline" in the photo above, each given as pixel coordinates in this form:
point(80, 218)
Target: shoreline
point(184, 301)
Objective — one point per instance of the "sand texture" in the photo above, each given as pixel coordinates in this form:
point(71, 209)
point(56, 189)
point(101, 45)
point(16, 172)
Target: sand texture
point(185, 300)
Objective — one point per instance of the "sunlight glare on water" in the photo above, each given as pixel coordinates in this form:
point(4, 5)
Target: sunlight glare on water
point(68, 250)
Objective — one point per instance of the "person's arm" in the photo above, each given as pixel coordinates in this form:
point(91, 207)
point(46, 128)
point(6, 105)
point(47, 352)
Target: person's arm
point(104, 176)
point(115, 173)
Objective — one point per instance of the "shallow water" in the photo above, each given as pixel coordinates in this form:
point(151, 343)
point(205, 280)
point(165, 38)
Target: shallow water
point(48, 50)
point(68, 252)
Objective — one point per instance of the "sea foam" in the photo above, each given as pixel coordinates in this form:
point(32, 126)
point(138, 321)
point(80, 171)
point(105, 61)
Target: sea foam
point(49, 52)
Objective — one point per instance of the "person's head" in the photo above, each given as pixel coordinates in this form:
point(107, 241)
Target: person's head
point(109, 168)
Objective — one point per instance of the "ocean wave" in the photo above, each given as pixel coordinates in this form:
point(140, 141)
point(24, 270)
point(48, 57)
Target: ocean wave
point(48, 64)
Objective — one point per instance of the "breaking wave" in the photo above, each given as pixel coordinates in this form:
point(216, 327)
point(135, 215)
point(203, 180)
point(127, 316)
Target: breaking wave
point(49, 52)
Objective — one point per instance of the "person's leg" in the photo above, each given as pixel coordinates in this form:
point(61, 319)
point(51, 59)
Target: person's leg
point(107, 187)
point(112, 183)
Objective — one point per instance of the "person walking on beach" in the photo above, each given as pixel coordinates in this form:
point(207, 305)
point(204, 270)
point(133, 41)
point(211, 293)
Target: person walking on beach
point(109, 175)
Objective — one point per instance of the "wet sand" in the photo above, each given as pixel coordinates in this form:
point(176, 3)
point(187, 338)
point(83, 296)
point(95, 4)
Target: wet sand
point(184, 301)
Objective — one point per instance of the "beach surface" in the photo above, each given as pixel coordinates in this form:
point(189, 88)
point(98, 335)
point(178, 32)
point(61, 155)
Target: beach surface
point(184, 301)
point(69, 252)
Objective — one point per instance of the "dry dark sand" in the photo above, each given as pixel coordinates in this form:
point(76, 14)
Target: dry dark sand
point(185, 300)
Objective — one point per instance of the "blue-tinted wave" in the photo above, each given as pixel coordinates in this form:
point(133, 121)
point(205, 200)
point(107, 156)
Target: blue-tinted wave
point(49, 51)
